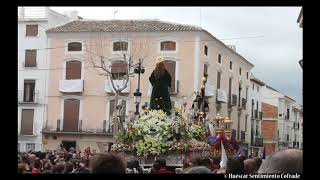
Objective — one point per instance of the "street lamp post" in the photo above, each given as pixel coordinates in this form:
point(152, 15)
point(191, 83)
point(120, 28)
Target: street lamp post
point(138, 70)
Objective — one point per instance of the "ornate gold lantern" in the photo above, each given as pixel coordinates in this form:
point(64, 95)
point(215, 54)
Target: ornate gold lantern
point(219, 124)
point(227, 131)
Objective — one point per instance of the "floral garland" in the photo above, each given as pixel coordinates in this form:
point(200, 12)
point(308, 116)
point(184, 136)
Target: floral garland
point(153, 134)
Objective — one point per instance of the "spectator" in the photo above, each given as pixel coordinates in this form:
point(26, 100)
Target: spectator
point(137, 166)
point(198, 170)
point(250, 166)
point(22, 168)
point(36, 166)
point(216, 164)
point(107, 164)
point(155, 168)
point(47, 168)
point(286, 161)
point(59, 168)
point(186, 165)
point(203, 162)
point(68, 168)
point(258, 162)
point(84, 166)
point(163, 167)
point(234, 166)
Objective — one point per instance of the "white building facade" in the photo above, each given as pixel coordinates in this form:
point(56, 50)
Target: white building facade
point(255, 115)
point(33, 72)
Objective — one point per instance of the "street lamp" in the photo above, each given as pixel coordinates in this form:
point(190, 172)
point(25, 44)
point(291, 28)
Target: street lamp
point(137, 96)
point(138, 70)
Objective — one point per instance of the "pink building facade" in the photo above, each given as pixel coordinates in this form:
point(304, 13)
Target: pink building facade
point(80, 101)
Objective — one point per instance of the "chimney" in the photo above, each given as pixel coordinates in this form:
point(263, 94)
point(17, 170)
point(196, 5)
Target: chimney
point(233, 47)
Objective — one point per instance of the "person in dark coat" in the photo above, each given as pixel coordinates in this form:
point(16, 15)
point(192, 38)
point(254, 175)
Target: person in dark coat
point(160, 80)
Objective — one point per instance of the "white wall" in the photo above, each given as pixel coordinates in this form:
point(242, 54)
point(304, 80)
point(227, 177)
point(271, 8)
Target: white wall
point(39, 74)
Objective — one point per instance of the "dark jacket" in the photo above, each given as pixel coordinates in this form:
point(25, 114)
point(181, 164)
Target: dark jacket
point(160, 97)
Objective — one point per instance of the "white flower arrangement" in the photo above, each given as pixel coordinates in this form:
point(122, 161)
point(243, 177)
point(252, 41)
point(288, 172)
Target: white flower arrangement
point(152, 133)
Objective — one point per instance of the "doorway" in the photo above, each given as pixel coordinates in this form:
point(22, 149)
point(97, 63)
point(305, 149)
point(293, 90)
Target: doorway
point(68, 144)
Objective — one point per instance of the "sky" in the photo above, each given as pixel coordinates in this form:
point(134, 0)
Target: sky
point(268, 37)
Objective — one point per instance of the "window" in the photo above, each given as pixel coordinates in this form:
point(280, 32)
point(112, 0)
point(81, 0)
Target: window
point(288, 137)
point(288, 113)
point(219, 58)
point(258, 88)
point(247, 75)
point(120, 46)
point(257, 130)
point(27, 121)
point(240, 71)
point(73, 70)
point(30, 58)
point(206, 50)
point(71, 115)
point(32, 30)
point(240, 88)
point(230, 87)
point(233, 133)
point(75, 46)
point(253, 87)
point(118, 69)
point(252, 106)
point(247, 93)
point(205, 69)
point(29, 91)
point(245, 125)
point(30, 147)
point(168, 46)
point(230, 65)
point(218, 79)
point(111, 109)
point(171, 68)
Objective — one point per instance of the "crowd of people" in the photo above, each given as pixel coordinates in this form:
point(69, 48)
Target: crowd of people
point(73, 161)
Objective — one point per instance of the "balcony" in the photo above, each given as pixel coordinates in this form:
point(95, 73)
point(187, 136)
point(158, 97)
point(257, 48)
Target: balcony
point(286, 117)
point(255, 114)
point(244, 103)
point(258, 141)
point(221, 96)
point(28, 98)
point(260, 115)
point(118, 84)
point(233, 100)
point(209, 90)
point(243, 136)
point(71, 86)
point(296, 125)
point(80, 130)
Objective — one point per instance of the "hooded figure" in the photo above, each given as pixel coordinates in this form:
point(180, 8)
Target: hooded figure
point(160, 80)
